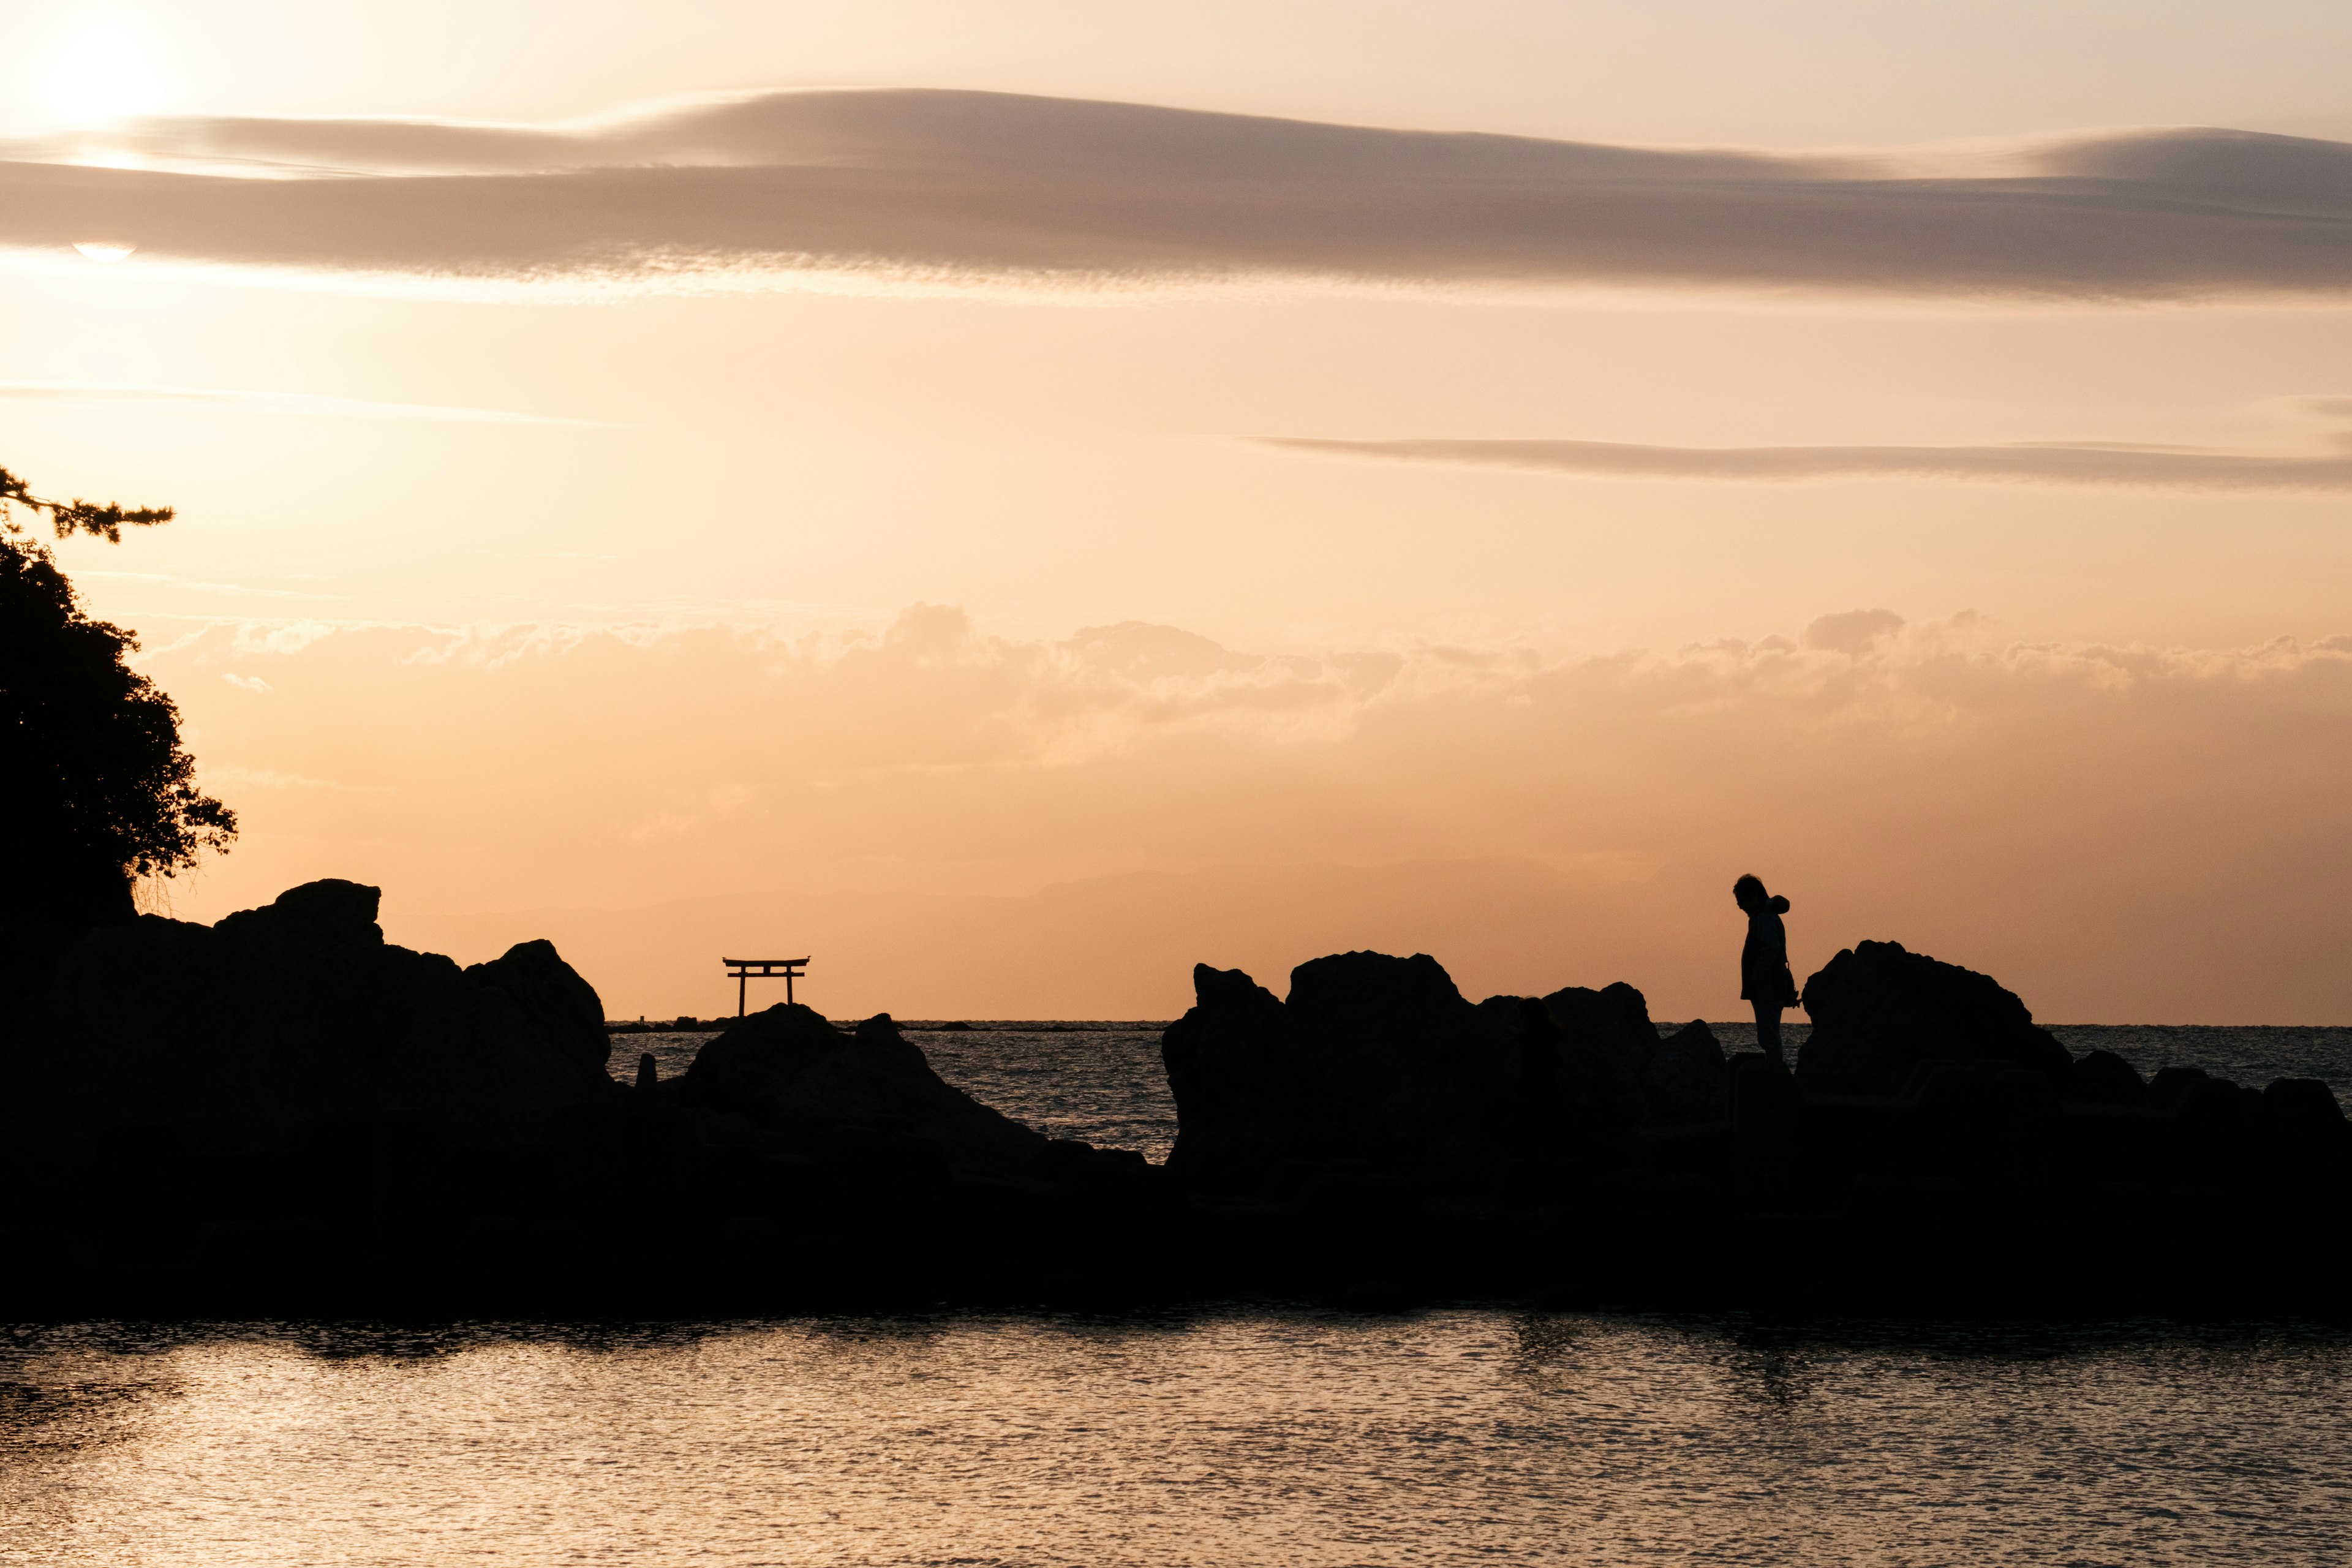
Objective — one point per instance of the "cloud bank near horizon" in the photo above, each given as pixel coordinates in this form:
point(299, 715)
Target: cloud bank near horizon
point(925, 185)
point(2114, 466)
point(2117, 832)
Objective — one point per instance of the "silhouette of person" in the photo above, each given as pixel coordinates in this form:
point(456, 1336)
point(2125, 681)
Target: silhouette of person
point(1765, 981)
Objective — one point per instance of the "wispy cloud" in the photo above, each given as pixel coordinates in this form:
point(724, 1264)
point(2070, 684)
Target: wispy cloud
point(227, 400)
point(2140, 467)
point(924, 188)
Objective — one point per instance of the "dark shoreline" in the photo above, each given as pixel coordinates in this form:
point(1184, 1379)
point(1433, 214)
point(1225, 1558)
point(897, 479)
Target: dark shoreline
point(231, 1121)
point(687, 1024)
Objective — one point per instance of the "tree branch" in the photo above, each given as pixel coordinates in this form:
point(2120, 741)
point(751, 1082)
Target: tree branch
point(106, 521)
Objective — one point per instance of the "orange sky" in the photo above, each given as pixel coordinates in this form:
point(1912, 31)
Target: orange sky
point(1013, 547)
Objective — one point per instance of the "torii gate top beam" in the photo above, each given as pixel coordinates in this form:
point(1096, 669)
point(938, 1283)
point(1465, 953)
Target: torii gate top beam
point(743, 970)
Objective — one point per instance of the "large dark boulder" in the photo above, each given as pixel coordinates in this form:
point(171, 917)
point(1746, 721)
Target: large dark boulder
point(1236, 1073)
point(2304, 1108)
point(1526, 1045)
point(282, 1062)
point(1607, 1042)
point(1403, 1075)
point(329, 911)
point(562, 1006)
point(1371, 1001)
point(2309, 1144)
point(2172, 1086)
point(300, 1009)
point(864, 1098)
point(2103, 1077)
point(1377, 1065)
point(1687, 1079)
point(1880, 1012)
point(1374, 1061)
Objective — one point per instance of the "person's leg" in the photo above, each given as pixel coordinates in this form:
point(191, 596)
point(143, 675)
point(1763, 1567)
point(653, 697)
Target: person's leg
point(1768, 1029)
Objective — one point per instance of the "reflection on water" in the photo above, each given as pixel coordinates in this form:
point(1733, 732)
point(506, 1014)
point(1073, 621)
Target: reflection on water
point(1211, 1437)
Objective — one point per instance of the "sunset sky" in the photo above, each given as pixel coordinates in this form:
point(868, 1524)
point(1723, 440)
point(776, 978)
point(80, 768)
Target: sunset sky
point(1011, 500)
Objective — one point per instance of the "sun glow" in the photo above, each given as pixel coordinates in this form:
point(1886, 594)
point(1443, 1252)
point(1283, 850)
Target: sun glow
point(103, 73)
point(98, 251)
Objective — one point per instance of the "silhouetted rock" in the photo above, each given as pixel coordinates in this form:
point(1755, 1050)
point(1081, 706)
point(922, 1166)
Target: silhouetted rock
point(1607, 1043)
point(563, 1008)
point(1235, 1075)
point(2103, 1077)
point(1687, 1079)
point(285, 1097)
point(1765, 1116)
point(2303, 1107)
point(1374, 1006)
point(1100, 1172)
point(1523, 1042)
point(2307, 1146)
point(2172, 1086)
point(1878, 1012)
point(288, 1069)
point(2307, 1140)
point(329, 910)
point(832, 1096)
point(1403, 1075)
point(1377, 1063)
point(2217, 1101)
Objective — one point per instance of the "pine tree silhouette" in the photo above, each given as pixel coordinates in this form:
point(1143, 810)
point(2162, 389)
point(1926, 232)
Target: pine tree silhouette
point(95, 789)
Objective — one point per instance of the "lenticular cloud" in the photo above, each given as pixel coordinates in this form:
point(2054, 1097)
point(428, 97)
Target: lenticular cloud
point(972, 185)
point(2124, 467)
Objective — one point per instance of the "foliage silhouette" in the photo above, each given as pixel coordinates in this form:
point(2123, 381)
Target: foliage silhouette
point(98, 790)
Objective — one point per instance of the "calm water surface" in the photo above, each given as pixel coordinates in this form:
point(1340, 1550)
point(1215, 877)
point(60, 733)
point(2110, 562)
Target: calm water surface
point(1214, 1437)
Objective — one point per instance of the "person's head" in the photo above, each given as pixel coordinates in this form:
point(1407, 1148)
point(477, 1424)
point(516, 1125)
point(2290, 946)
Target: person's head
point(1749, 891)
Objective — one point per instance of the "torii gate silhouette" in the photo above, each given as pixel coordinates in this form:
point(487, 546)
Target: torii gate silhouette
point(742, 971)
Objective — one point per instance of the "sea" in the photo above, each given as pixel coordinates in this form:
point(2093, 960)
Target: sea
point(1220, 1434)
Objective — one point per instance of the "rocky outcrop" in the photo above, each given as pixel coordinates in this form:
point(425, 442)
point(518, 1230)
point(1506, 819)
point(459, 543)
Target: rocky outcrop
point(284, 1112)
point(2308, 1145)
point(1606, 1039)
point(329, 910)
point(1239, 1080)
point(1404, 1078)
point(1880, 1012)
point(2172, 1086)
point(284, 1099)
point(1374, 1062)
point(284, 1087)
point(1934, 1147)
point(1377, 1063)
point(297, 1014)
point(830, 1096)
point(1687, 1081)
point(2103, 1077)
point(563, 1008)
